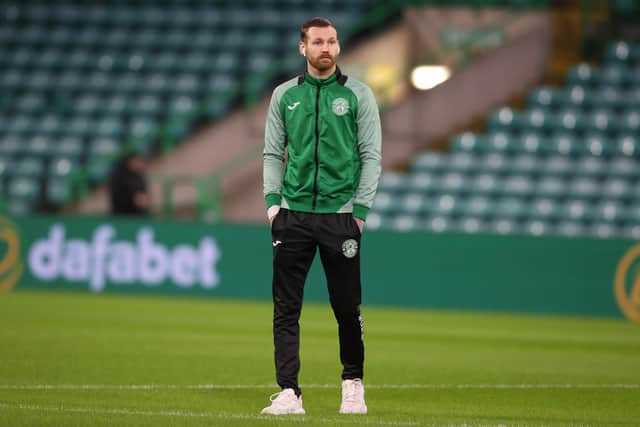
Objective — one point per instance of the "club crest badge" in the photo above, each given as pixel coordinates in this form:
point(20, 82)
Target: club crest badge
point(350, 248)
point(340, 106)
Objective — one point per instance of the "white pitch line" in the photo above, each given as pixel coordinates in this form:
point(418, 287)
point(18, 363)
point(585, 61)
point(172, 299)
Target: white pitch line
point(220, 415)
point(305, 386)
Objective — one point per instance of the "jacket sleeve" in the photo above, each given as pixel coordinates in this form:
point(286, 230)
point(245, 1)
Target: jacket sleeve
point(273, 154)
point(370, 149)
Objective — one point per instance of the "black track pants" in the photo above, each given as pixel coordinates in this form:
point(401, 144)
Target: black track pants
point(296, 235)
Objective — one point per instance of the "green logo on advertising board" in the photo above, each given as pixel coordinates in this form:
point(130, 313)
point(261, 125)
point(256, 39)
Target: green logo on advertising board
point(11, 264)
point(103, 259)
point(627, 283)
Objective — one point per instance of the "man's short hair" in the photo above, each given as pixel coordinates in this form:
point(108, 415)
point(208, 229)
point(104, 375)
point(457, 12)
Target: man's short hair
point(318, 21)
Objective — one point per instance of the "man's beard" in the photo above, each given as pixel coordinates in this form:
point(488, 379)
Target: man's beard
point(321, 65)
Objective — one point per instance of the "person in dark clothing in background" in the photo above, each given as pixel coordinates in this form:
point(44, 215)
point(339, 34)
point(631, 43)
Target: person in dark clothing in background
point(128, 186)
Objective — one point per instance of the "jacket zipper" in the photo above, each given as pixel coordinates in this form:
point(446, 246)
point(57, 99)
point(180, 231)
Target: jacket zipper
point(315, 177)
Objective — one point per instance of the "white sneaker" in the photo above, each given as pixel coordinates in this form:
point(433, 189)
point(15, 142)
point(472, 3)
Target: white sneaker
point(353, 397)
point(283, 403)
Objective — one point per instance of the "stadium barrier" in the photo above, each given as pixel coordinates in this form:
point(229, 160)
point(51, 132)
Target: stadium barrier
point(580, 276)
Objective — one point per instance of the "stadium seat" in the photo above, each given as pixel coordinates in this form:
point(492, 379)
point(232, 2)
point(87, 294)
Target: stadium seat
point(537, 227)
point(510, 207)
point(536, 119)
point(468, 142)
point(516, 185)
point(565, 144)
point(628, 145)
point(429, 162)
point(505, 119)
point(609, 212)
point(415, 204)
point(618, 188)
point(585, 188)
point(477, 207)
point(575, 210)
point(551, 186)
point(545, 98)
point(583, 75)
point(570, 229)
point(591, 167)
point(423, 182)
point(604, 230)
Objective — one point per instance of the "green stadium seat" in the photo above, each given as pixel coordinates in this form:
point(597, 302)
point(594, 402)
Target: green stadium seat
point(24, 188)
point(632, 213)
point(415, 204)
point(510, 208)
point(494, 163)
point(609, 212)
point(69, 147)
point(438, 224)
point(423, 182)
point(604, 230)
point(537, 227)
point(617, 53)
point(609, 98)
point(576, 210)
point(29, 167)
point(461, 162)
point(468, 142)
point(500, 142)
point(577, 97)
point(598, 145)
point(630, 122)
point(393, 183)
point(548, 98)
point(12, 146)
point(584, 75)
point(628, 145)
point(58, 192)
point(614, 75)
point(570, 229)
point(529, 142)
point(591, 167)
point(618, 188)
point(505, 119)
point(537, 120)
point(568, 121)
point(505, 226)
point(484, 184)
point(478, 207)
point(62, 167)
point(543, 208)
point(453, 182)
point(472, 225)
point(525, 164)
point(624, 167)
point(551, 186)
point(631, 231)
point(585, 188)
point(564, 144)
point(40, 146)
point(405, 223)
point(446, 205)
point(7, 165)
point(601, 121)
point(429, 162)
point(385, 204)
point(557, 166)
point(517, 186)
point(31, 103)
point(99, 168)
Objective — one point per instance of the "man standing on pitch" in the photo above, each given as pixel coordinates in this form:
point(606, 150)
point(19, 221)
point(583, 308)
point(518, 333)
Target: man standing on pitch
point(330, 127)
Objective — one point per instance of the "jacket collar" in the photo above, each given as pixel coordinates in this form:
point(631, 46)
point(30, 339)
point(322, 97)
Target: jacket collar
point(336, 76)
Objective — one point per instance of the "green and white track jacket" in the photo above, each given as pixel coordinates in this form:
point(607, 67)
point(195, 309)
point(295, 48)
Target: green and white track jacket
point(331, 130)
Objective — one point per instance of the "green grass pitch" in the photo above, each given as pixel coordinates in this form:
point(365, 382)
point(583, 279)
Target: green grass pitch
point(104, 360)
